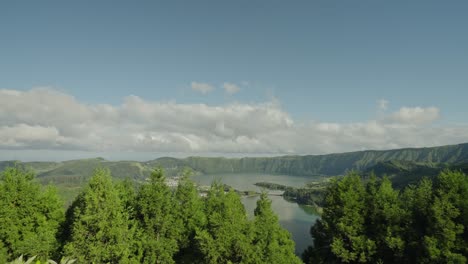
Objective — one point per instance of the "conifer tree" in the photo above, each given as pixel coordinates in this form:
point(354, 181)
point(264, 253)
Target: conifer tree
point(189, 211)
point(127, 192)
point(99, 228)
point(272, 243)
point(29, 217)
point(340, 236)
point(384, 218)
point(417, 202)
point(156, 215)
point(444, 242)
point(225, 238)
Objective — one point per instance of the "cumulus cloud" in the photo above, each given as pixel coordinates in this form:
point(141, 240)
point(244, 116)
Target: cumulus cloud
point(22, 135)
point(415, 115)
point(203, 88)
point(52, 120)
point(231, 88)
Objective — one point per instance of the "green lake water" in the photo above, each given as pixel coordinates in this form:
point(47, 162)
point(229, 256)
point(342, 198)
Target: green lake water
point(296, 219)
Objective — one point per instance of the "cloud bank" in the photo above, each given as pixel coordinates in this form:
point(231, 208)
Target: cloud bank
point(51, 120)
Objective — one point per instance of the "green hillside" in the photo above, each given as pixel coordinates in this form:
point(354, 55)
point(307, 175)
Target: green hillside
point(331, 164)
point(403, 173)
point(70, 176)
point(313, 165)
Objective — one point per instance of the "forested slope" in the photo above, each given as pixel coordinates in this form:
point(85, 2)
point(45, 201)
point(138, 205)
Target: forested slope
point(331, 164)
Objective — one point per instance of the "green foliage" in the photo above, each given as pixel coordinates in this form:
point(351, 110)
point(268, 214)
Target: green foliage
point(157, 217)
point(190, 211)
point(29, 216)
point(345, 215)
point(373, 223)
point(127, 223)
point(225, 238)
point(417, 201)
point(383, 218)
point(362, 222)
point(99, 228)
point(127, 191)
point(445, 241)
point(272, 244)
point(3, 253)
point(305, 196)
point(312, 194)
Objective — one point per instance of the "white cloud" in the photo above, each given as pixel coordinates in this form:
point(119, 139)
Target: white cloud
point(415, 115)
point(22, 135)
point(203, 88)
point(383, 104)
point(51, 120)
point(231, 88)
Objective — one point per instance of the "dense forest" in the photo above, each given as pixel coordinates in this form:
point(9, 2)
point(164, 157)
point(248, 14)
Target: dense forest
point(367, 221)
point(120, 222)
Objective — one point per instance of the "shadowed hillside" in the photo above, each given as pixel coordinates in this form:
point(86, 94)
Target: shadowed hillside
point(403, 173)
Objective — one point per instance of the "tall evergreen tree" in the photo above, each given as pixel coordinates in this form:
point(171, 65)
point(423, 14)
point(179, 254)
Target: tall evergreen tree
point(417, 202)
point(340, 236)
point(384, 218)
point(444, 242)
point(99, 227)
point(127, 192)
point(272, 243)
point(225, 238)
point(29, 216)
point(190, 213)
point(157, 218)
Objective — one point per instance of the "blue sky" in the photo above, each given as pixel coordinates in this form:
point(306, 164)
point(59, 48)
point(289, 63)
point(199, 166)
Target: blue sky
point(318, 61)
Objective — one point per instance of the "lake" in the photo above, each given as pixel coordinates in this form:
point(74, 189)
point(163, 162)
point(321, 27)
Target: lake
point(296, 219)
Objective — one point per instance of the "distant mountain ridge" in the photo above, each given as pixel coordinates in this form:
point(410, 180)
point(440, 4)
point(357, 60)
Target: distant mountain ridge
point(308, 165)
point(329, 164)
